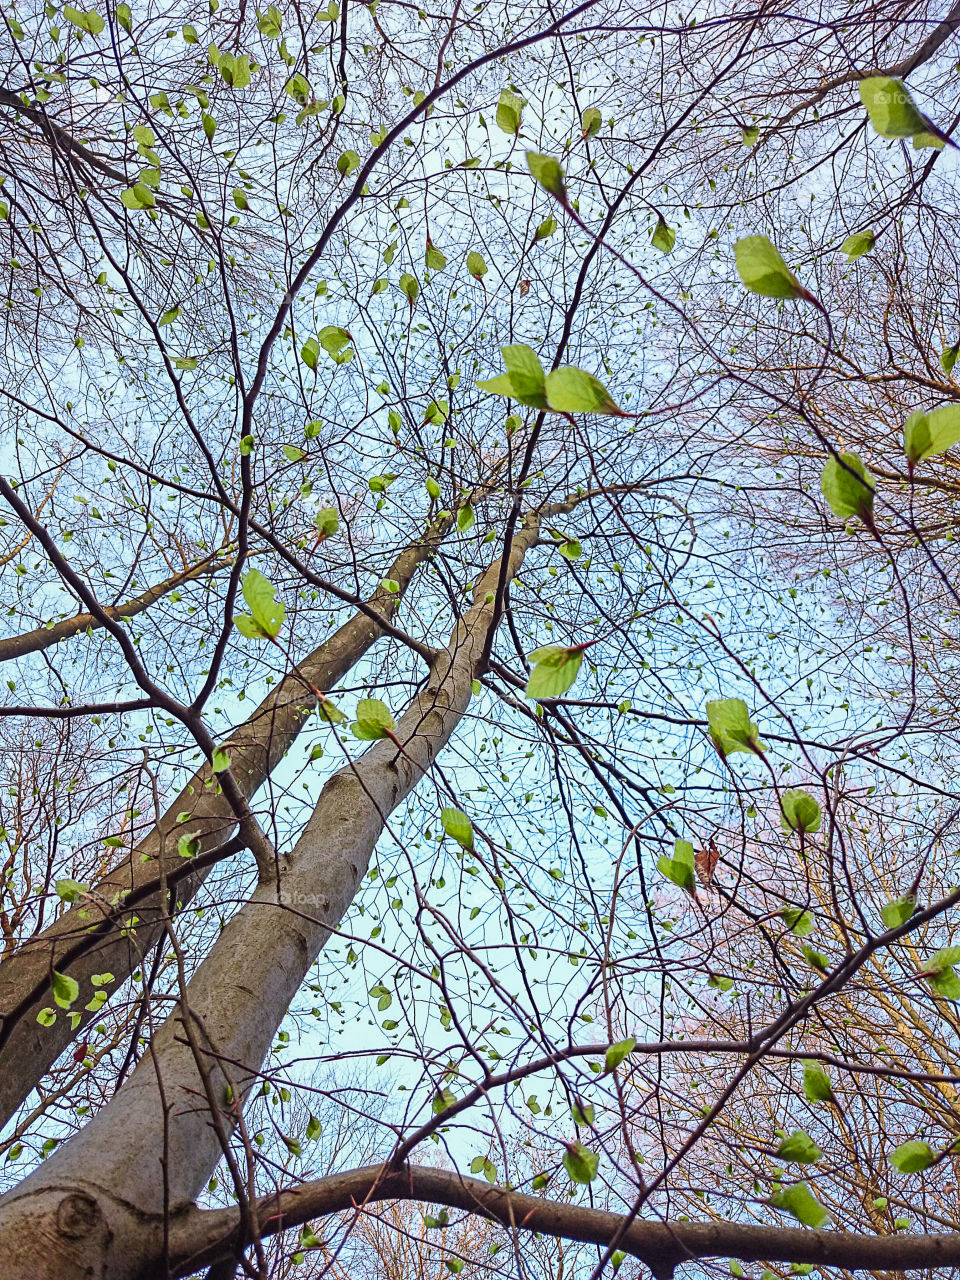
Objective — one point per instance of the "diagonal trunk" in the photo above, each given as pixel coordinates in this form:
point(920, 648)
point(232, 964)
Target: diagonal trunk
point(88, 939)
point(153, 1146)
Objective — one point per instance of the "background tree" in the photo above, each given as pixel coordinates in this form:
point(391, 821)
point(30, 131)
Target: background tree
point(481, 739)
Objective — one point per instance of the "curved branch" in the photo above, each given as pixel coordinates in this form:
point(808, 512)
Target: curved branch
point(203, 1237)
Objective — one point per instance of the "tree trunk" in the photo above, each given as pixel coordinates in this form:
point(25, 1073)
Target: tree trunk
point(152, 1148)
point(87, 939)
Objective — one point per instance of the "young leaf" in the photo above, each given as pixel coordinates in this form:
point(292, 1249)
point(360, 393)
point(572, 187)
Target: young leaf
point(336, 342)
point(858, 244)
point(799, 811)
point(220, 760)
point(65, 989)
point(268, 612)
point(898, 911)
point(509, 111)
point(816, 1083)
point(409, 287)
point(590, 122)
point(927, 434)
point(750, 135)
point(292, 453)
point(800, 1147)
point(679, 869)
point(894, 114)
point(86, 19)
point(764, 271)
point(554, 672)
point(572, 390)
point(948, 357)
point(545, 230)
point(663, 237)
point(70, 890)
point(548, 172)
point(524, 380)
point(800, 1201)
point(373, 720)
point(433, 259)
point(347, 162)
point(458, 827)
point(798, 921)
point(476, 265)
point(582, 1113)
point(731, 728)
point(466, 518)
point(616, 1053)
point(326, 521)
point(848, 487)
point(580, 1163)
point(912, 1157)
point(310, 353)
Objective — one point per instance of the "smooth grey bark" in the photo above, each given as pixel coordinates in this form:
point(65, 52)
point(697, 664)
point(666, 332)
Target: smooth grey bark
point(45, 637)
point(88, 939)
point(150, 1150)
point(204, 1237)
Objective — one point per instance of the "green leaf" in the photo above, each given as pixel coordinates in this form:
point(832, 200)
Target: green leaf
point(815, 959)
point(912, 1157)
point(509, 111)
point(168, 317)
point(582, 1113)
point(764, 271)
point(572, 390)
point(336, 342)
point(546, 229)
point(380, 484)
point(70, 890)
point(234, 71)
point(209, 126)
point(326, 521)
point(476, 265)
point(466, 518)
point(268, 612)
point(663, 237)
point(124, 17)
point(679, 869)
point(434, 259)
point(65, 989)
point(948, 357)
point(800, 1201)
point(799, 811)
point(554, 672)
point(590, 122)
point(548, 172)
point(373, 720)
point(848, 487)
point(292, 453)
point(927, 434)
point(750, 136)
point(894, 114)
point(618, 1052)
point(454, 1265)
point(184, 362)
point(347, 162)
point(46, 1018)
point(432, 487)
point(86, 19)
point(270, 23)
point(580, 1163)
point(816, 1083)
point(571, 549)
point(409, 287)
point(442, 1101)
point(797, 920)
point(310, 353)
point(220, 760)
point(524, 380)
point(314, 1127)
point(858, 244)
point(898, 911)
point(731, 728)
point(298, 88)
point(458, 827)
point(188, 846)
point(139, 196)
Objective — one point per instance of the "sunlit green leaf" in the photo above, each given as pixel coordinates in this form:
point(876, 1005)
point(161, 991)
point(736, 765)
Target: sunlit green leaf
point(799, 811)
point(764, 271)
point(848, 487)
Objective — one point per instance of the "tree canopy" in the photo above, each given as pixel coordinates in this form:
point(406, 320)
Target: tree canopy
point(481, 729)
